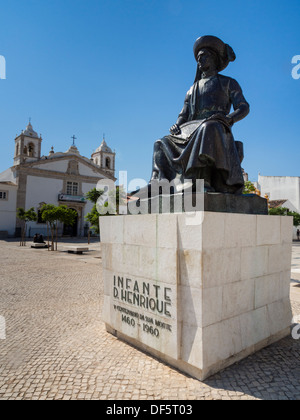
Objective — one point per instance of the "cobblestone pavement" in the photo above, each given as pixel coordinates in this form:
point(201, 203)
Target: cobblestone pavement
point(56, 346)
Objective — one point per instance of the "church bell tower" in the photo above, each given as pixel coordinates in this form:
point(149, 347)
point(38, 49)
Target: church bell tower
point(27, 146)
point(104, 157)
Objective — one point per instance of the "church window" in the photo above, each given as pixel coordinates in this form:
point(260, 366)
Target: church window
point(107, 163)
point(31, 149)
point(3, 195)
point(17, 150)
point(72, 188)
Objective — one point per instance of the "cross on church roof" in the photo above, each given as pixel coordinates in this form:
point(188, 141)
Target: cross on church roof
point(74, 138)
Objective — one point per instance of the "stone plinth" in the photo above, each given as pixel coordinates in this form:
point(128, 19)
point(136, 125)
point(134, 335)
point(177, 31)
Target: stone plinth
point(209, 202)
point(199, 291)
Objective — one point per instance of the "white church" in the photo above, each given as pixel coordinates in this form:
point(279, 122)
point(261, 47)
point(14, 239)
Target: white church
point(58, 178)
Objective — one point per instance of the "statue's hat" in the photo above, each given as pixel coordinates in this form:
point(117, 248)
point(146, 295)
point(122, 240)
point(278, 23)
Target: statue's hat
point(224, 51)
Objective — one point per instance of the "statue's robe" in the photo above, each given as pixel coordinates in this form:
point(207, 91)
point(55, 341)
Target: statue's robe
point(212, 143)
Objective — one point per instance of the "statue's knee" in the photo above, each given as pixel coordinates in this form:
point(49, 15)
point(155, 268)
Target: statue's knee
point(157, 145)
point(211, 125)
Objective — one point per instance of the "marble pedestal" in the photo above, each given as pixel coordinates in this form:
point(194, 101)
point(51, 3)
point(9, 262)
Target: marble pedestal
point(199, 291)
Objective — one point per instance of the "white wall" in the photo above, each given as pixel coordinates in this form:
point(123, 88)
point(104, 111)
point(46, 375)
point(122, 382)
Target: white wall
point(87, 171)
point(41, 190)
point(62, 166)
point(8, 209)
point(290, 206)
point(281, 187)
point(59, 166)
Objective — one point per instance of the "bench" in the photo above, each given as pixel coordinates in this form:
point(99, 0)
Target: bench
point(76, 249)
point(38, 245)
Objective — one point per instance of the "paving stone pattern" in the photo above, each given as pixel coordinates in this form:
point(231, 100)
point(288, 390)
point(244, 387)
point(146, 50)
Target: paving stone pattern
point(56, 345)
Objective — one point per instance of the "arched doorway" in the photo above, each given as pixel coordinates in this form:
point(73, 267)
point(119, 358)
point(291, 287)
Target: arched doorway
point(71, 230)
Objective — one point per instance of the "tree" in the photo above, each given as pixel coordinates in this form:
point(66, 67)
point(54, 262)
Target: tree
point(48, 215)
point(93, 195)
point(93, 216)
point(296, 217)
point(116, 198)
point(120, 197)
point(278, 211)
point(283, 211)
point(52, 215)
point(108, 205)
point(66, 216)
point(249, 188)
point(25, 216)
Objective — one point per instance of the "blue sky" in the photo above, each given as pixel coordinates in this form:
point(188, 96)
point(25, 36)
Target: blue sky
point(123, 67)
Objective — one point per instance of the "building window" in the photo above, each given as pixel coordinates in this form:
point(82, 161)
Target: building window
point(3, 195)
point(72, 188)
point(31, 150)
point(107, 163)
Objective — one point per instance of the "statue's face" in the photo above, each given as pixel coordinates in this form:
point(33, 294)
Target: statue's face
point(206, 60)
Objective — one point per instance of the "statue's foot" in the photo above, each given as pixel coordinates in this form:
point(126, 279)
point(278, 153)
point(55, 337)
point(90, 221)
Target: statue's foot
point(208, 187)
point(192, 187)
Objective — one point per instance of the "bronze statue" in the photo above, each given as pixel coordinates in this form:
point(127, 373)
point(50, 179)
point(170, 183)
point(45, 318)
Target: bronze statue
point(201, 144)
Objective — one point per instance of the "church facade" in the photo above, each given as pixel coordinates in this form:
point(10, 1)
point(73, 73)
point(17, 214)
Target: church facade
point(58, 178)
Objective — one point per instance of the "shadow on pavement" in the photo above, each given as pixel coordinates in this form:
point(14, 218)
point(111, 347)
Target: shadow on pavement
point(270, 374)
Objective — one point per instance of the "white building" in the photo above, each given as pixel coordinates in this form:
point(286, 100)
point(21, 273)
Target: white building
point(59, 178)
point(282, 188)
point(273, 204)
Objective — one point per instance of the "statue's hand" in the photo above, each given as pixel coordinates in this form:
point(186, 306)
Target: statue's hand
point(175, 129)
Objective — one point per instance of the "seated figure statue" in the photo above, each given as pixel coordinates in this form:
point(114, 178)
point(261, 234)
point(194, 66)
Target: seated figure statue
point(201, 144)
